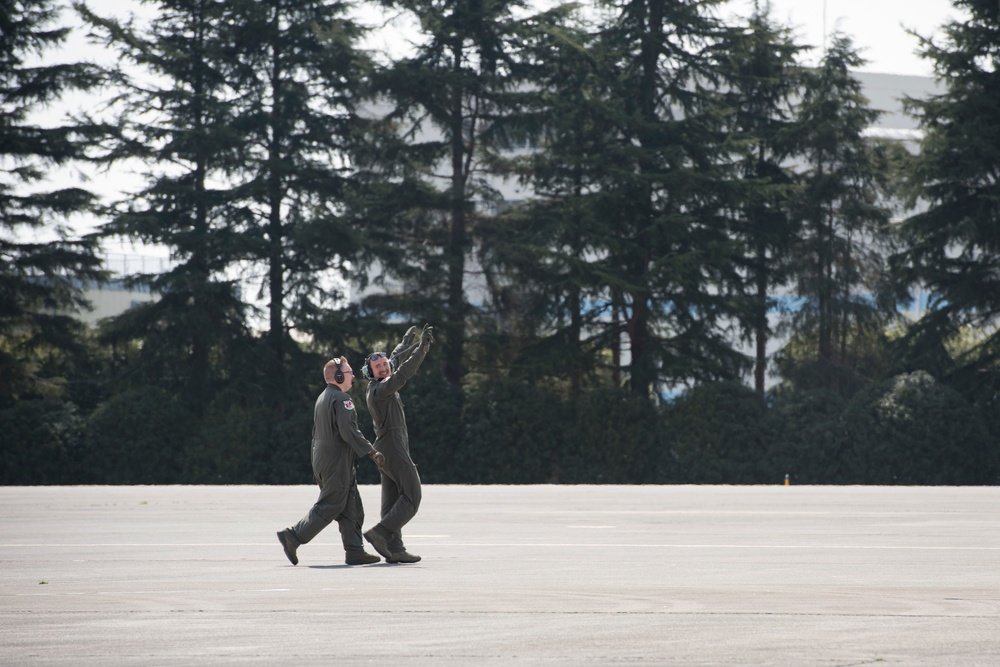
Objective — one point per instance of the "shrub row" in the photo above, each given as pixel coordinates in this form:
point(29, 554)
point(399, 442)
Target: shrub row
point(907, 430)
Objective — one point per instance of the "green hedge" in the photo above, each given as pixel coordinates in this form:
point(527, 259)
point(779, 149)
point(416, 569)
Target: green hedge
point(803, 434)
point(716, 434)
point(44, 441)
point(908, 430)
point(140, 437)
point(911, 429)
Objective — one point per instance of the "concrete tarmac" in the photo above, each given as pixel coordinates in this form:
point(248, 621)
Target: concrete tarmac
point(511, 575)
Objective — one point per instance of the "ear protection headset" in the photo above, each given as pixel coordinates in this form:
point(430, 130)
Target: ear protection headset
point(366, 370)
point(338, 375)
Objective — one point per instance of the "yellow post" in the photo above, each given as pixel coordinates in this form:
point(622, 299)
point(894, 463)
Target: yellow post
point(787, 481)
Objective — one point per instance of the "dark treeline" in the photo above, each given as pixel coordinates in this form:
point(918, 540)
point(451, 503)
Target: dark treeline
point(690, 198)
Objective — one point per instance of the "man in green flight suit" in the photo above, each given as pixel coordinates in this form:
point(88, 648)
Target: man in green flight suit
point(337, 442)
point(400, 481)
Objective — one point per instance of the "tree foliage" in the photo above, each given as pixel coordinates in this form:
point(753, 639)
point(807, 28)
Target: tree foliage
point(952, 247)
point(295, 75)
point(43, 265)
point(841, 277)
point(764, 83)
point(912, 430)
point(663, 241)
point(597, 210)
point(449, 102)
point(173, 117)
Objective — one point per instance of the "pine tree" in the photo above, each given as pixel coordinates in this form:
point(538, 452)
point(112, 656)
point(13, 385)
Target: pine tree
point(664, 245)
point(241, 113)
point(448, 103)
point(298, 85)
point(840, 273)
point(763, 81)
point(540, 252)
point(174, 119)
point(41, 279)
point(953, 246)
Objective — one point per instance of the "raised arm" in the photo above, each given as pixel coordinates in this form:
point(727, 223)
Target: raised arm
point(405, 343)
point(416, 353)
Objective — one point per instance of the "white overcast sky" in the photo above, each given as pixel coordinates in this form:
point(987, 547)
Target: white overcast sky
point(878, 27)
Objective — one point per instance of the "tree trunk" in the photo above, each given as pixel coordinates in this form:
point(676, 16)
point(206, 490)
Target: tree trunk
point(455, 325)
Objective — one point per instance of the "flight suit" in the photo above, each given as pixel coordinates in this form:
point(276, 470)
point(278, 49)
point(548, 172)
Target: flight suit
point(336, 445)
point(400, 482)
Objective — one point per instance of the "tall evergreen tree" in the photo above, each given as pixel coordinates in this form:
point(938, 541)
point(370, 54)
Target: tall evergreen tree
point(840, 272)
point(43, 265)
point(298, 82)
point(448, 101)
point(175, 115)
point(542, 251)
point(665, 248)
point(763, 82)
point(953, 247)
point(242, 114)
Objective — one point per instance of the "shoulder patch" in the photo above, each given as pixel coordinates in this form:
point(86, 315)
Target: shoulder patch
point(349, 404)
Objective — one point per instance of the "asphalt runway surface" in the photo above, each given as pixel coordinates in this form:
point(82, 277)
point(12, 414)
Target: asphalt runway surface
point(511, 575)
